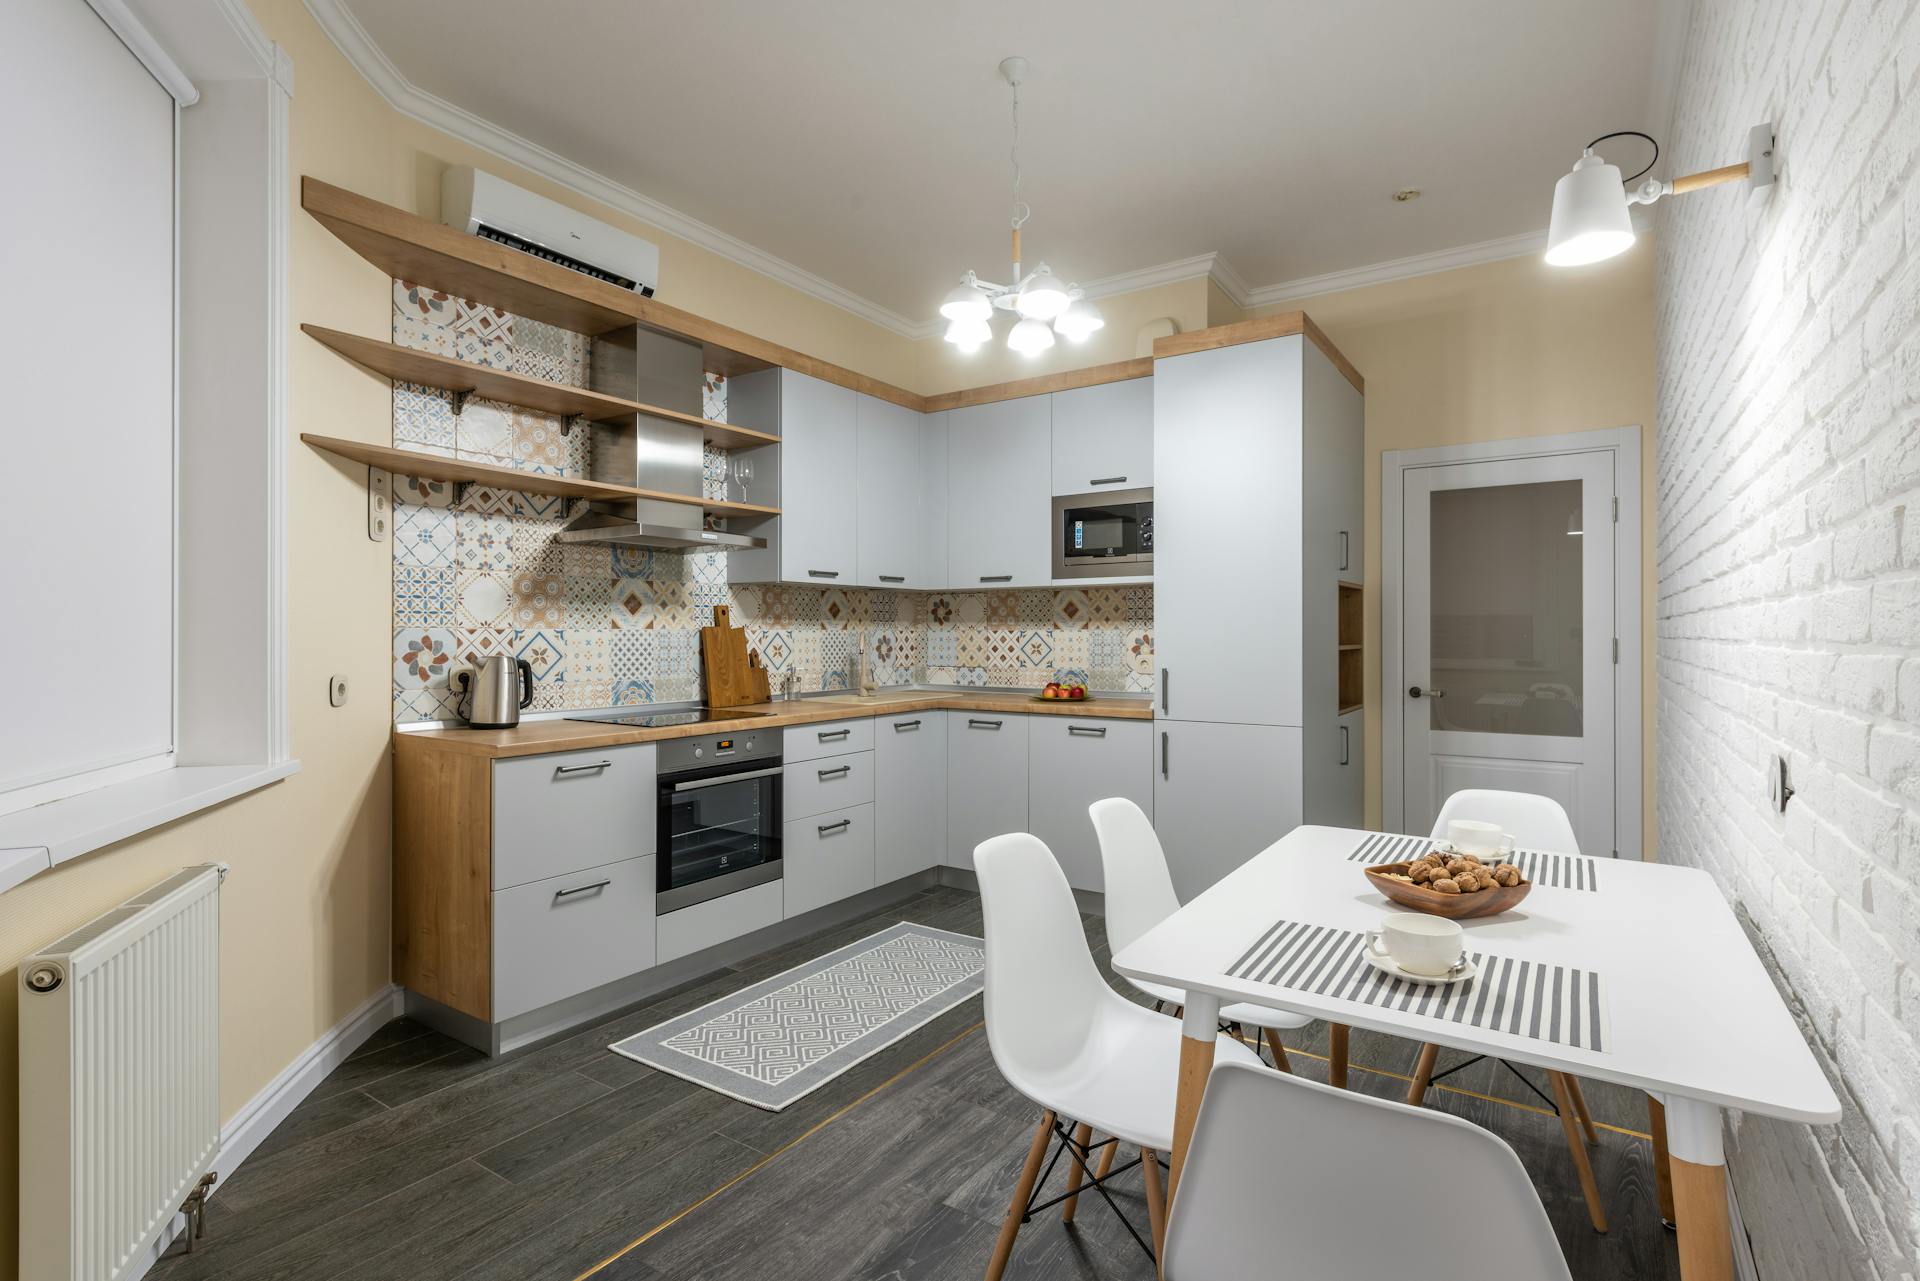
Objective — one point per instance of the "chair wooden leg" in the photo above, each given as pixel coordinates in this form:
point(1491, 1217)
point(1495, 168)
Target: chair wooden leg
point(1106, 1159)
point(1279, 1051)
point(1337, 1058)
point(1662, 1163)
point(1156, 1203)
point(1017, 1208)
point(1570, 1124)
point(1422, 1075)
point(1580, 1106)
point(1081, 1136)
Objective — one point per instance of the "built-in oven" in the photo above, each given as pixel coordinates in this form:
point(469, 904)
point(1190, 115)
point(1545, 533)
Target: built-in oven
point(1103, 535)
point(719, 816)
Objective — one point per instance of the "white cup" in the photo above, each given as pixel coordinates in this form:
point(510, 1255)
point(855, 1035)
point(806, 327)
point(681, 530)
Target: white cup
point(1482, 840)
point(1418, 943)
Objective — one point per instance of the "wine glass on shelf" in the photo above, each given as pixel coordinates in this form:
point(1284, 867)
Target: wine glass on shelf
point(740, 471)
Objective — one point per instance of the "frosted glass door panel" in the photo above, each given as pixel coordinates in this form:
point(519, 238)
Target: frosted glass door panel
point(1506, 593)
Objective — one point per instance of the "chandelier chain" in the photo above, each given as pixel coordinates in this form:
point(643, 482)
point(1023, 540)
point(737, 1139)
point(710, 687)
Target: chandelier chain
point(1021, 211)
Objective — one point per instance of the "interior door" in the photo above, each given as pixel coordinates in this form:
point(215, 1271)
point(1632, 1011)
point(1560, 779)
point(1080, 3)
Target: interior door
point(1508, 642)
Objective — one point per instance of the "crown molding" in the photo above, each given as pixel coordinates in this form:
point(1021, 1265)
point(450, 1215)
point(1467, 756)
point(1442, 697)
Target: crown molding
point(410, 100)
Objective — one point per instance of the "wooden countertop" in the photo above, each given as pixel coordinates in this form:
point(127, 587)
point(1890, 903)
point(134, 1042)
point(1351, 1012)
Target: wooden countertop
point(537, 737)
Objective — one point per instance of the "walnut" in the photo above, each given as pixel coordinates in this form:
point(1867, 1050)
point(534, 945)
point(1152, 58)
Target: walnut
point(1506, 874)
point(1472, 858)
point(1446, 885)
point(1421, 873)
point(1457, 866)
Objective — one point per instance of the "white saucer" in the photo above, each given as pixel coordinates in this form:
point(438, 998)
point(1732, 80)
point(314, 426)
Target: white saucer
point(1388, 967)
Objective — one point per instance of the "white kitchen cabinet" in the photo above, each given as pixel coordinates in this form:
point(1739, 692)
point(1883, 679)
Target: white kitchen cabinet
point(718, 920)
point(910, 793)
point(815, 539)
point(826, 738)
point(1073, 762)
point(1103, 437)
point(829, 783)
point(828, 857)
point(999, 508)
point(1221, 794)
point(930, 521)
point(559, 937)
point(888, 477)
point(986, 780)
point(566, 811)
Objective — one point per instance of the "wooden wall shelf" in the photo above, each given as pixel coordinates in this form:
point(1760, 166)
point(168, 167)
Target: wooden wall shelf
point(1352, 658)
point(465, 471)
point(460, 376)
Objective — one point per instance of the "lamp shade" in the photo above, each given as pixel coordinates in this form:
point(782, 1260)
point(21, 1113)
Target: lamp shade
point(968, 335)
point(966, 301)
point(1030, 337)
point(1079, 320)
point(1590, 219)
point(1043, 297)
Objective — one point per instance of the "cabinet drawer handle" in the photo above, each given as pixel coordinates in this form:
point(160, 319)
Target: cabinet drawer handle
point(823, 573)
point(841, 771)
point(1344, 742)
point(558, 770)
point(828, 828)
point(1091, 731)
point(831, 735)
point(996, 578)
point(901, 578)
point(1163, 753)
point(1108, 480)
point(973, 723)
point(1343, 549)
point(901, 727)
point(1163, 689)
point(583, 889)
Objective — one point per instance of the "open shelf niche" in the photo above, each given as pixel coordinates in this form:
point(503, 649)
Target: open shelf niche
point(1353, 661)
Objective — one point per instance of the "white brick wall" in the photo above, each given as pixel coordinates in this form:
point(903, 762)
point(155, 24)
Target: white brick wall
point(1789, 598)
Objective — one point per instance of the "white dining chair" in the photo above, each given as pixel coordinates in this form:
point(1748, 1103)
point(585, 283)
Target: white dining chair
point(1535, 823)
point(1139, 895)
point(1085, 1055)
point(1375, 1189)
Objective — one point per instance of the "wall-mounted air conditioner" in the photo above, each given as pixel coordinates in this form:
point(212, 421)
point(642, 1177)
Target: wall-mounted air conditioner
point(475, 201)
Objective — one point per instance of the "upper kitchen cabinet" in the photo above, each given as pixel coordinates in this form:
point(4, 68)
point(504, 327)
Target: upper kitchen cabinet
point(999, 474)
point(1103, 437)
point(931, 519)
point(815, 539)
point(899, 495)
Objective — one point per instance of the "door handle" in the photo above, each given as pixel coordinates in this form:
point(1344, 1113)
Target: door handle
point(973, 723)
point(996, 578)
point(1163, 754)
point(1344, 553)
point(1163, 689)
point(1108, 480)
point(823, 573)
point(837, 772)
point(583, 889)
point(1091, 731)
point(1416, 692)
point(1345, 745)
point(827, 828)
point(558, 770)
point(901, 727)
point(893, 578)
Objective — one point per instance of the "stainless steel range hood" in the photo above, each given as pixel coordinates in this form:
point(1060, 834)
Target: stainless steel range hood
point(649, 453)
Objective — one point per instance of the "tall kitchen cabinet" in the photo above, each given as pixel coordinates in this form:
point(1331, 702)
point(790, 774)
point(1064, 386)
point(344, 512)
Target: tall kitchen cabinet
point(1257, 475)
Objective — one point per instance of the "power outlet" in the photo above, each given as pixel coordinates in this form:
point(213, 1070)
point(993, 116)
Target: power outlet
point(337, 690)
point(379, 506)
point(1779, 790)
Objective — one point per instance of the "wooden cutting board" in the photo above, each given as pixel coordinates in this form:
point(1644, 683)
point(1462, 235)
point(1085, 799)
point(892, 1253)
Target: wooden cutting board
point(735, 677)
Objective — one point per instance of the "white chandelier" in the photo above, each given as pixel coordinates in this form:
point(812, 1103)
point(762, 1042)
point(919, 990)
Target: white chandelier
point(1037, 297)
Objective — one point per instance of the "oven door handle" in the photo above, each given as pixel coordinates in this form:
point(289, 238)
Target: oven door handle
point(741, 777)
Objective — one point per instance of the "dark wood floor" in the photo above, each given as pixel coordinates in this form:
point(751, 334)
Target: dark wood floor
point(420, 1160)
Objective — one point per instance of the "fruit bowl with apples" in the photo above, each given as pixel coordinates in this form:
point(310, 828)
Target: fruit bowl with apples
point(1057, 692)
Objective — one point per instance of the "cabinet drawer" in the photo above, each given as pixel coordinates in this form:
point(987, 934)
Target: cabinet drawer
point(572, 810)
point(718, 920)
point(831, 738)
point(565, 935)
point(828, 857)
point(826, 783)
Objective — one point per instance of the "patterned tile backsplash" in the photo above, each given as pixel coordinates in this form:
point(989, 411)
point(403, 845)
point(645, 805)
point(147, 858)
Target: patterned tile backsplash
point(476, 570)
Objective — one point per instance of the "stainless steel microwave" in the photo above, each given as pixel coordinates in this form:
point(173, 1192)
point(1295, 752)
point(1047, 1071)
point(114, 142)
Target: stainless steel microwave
point(1103, 535)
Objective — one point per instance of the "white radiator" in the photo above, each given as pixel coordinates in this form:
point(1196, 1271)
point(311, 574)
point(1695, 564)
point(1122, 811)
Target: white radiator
point(119, 1079)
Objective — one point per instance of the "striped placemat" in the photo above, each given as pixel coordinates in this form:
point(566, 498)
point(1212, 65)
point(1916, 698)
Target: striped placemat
point(1556, 1003)
point(1562, 871)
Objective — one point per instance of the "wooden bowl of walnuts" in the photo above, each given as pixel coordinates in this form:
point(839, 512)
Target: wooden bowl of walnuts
point(1443, 882)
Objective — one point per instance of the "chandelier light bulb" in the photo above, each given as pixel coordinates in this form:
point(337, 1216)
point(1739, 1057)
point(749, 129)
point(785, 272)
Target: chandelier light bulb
point(1043, 296)
point(1030, 337)
point(966, 301)
point(968, 335)
point(1078, 321)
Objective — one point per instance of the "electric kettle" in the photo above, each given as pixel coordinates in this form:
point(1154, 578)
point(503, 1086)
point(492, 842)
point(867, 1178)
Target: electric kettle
point(491, 697)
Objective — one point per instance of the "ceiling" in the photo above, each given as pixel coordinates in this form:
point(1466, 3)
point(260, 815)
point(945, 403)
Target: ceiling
point(866, 141)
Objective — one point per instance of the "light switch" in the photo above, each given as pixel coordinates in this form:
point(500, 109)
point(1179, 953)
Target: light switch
point(337, 690)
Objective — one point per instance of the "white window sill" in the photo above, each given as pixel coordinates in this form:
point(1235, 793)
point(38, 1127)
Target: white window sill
point(33, 840)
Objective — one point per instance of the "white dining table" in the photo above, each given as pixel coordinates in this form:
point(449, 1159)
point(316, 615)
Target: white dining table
point(1691, 1015)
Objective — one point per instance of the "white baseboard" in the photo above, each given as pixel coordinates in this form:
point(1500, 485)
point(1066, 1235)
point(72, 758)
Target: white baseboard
point(250, 1126)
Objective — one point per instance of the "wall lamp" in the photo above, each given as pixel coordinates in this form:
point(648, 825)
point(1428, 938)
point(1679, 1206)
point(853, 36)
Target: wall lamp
point(1590, 218)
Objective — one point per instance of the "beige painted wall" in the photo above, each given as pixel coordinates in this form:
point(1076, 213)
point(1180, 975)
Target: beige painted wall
point(1503, 350)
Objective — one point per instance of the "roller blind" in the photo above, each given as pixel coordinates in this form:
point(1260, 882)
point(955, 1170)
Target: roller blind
point(87, 341)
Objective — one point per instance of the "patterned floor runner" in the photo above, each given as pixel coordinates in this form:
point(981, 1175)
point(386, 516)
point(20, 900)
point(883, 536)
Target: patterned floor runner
point(783, 1038)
